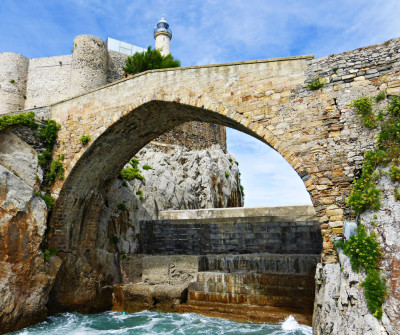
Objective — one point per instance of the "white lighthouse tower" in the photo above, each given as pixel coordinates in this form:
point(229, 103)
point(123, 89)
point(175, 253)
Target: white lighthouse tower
point(163, 36)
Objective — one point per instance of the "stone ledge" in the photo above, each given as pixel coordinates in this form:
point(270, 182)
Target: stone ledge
point(285, 213)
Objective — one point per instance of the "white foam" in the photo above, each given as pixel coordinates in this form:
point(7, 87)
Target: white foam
point(290, 324)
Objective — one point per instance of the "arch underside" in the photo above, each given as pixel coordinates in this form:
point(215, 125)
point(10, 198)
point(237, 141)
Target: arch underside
point(77, 210)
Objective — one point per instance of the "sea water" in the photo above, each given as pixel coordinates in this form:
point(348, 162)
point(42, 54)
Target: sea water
point(150, 323)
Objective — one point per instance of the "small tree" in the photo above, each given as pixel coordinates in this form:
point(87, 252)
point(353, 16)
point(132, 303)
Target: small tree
point(149, 60)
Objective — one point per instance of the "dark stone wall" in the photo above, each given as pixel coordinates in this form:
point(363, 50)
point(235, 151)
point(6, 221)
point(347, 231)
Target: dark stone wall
point(233, 235)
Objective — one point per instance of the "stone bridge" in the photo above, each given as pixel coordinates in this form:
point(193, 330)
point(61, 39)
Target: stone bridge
point(315, 131)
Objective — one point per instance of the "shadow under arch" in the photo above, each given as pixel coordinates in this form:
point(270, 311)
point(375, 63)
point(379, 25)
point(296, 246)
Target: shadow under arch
point(75, 217)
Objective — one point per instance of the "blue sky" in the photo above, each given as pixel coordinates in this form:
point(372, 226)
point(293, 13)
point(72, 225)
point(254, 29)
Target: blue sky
point(211, 31)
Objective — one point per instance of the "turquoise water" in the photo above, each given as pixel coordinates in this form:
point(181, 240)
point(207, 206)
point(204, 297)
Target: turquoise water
point(155, 323)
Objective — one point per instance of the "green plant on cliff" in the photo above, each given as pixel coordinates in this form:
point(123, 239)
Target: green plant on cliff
point(364, 253)
point(380, 96)
point(365, 195)
point(84, 139)
point(363, 107)
point(132, 172)
point(394, 173)
point(47, 253)
point(146, 167)
point(48, 200)
point(315, 84)
point(149, 60)
point(26, 119)
point(48, 134)
point(56, 172)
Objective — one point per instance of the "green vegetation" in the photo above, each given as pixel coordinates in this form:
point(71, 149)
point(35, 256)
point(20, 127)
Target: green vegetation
point(364, 253)
point(84, 139)
point(26, 119)
point(365, 195)
point(146, 167)
point(133, 172)
point(396, 194)
point(47, 253)
point(227, 174)
point(149, 60)
point(363, 107)
point(12, 81)
point(121, 207)
point(334, 69)
point(115, 239)
point(363, 249)
point(380, 96)
point(48, 134)
point(394, 173)
point(140, 194)
point(47, 199)
point(56, 171)
point(316, 83)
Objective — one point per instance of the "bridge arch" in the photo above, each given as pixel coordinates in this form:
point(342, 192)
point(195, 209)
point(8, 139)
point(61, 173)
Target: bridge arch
point(75, 217)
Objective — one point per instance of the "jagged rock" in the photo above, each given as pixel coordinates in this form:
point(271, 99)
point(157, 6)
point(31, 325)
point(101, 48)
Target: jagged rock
point(137, 297)
point(25, 278)
point(178, 179)
point(93, 275)
point(340, 304)
point(20, 158)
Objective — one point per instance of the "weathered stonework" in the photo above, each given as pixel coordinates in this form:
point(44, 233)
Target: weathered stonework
point(315, 131)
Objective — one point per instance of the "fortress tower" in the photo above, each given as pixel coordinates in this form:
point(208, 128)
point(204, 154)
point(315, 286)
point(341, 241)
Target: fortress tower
point(163, 36)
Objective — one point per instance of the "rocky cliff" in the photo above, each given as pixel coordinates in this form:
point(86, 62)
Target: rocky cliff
point(25, 278)
point(30, 286)
point(340, 305)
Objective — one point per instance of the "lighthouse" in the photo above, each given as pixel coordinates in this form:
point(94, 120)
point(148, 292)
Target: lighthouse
point(163, 35)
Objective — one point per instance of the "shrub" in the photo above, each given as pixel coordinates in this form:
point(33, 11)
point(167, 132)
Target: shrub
point(396, 194)
point(56, 171)
point(227, 174)
point(12, 81)
point(364, 252)
point(315, 84)
point(47, 253)
point(149, 60)
point(84, 139)
point(394, 106)
point(48, 200)
point(131, 173)
point(48, 134)
point(146, 167)
point(121, 207)
point(363, 107)
point(375, 292)
point(115, 239)
point(394, 173)
point(380, 96)
point(140, 194)
point(44, 158)
point(26, 119)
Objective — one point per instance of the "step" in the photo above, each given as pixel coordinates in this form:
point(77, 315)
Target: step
point(260, 289)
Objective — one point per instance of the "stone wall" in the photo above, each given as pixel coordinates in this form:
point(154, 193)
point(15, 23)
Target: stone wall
point(233, 235)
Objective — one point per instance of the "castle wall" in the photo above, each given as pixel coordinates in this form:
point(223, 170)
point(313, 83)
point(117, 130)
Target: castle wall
point(49, 81)
point(44, 81)
point(13, 78)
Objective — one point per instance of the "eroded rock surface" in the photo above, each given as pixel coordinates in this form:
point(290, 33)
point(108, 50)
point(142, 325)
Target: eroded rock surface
point(178, 179)
point(340, 306)
point(25, 278)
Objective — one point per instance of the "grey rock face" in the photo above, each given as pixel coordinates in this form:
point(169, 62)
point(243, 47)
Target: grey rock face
point(25, 278)
point(20, 158)
point(340, 304)
point(178, 179)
